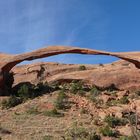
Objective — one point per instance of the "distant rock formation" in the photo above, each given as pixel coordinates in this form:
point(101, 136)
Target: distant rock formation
point(7, 61)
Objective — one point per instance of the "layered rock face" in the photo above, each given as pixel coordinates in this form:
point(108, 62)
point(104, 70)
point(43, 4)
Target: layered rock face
point(122, 74)
point(7, 62)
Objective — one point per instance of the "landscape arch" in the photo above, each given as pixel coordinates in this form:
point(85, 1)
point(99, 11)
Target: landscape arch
point(7, 61)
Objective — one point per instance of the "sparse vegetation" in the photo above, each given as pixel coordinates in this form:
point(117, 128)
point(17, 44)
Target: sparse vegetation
point(62, 101)
point(95, 92)
point(137, 92)
point(82, 67)
point(94, 97)
point(53, 113)
point(126, 138)
point(113, 121)
point(77, 88)
point(101, 97)
point(107, 131)
point(33, 110)
point(47, 137)
point(124, 100)
point(23, 92)
point(102, 65)
point(4, 131)
point(81, 133)
point(11, 102)
point(83, 111)
point(112, 102)
point(97, 101)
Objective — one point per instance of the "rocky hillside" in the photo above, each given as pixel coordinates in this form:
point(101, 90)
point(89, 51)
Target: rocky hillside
point(52, 101)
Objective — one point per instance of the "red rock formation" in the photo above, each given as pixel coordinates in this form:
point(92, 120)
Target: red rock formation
point(7, 61)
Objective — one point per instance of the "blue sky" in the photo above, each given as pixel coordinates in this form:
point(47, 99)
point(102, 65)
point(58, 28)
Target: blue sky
point(110, 25)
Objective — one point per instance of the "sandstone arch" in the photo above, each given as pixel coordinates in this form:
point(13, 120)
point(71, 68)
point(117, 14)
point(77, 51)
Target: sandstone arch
point(7, 61)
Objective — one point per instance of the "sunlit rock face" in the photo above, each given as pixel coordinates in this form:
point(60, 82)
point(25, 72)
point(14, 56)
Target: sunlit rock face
point(7, 61)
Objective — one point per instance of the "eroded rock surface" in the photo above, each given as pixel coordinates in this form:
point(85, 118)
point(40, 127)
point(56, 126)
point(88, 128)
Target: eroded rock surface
point(122, 74)
point(7, 62)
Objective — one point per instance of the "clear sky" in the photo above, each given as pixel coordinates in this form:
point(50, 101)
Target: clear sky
point(110, 25)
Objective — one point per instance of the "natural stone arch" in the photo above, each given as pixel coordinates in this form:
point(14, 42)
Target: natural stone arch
point(7, 61)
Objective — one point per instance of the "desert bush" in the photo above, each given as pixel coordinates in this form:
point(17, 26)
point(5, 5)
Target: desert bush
point(102, 65)
point(82, 67)
point(93, 96)
point(76, 132)
point(41, 87)
point(26, 92)
point(23, 92)
point(94, 136)
point(33, 110)
point(124, 100)
point(11, 102)
point(114, 121)
point(126, 138)
point(111, 88)
point(137, 92)
point(4, 131)
point(83, 111)
point(112, 102)
point(94, 92)
point(76, 87)
point(97, 101)
point(107, 131)
point(61, 101)
point(53, 113)
point(47, 137)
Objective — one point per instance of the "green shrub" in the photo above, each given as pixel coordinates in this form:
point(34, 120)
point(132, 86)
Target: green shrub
point(107, 131)
point(137, 92)
point(47, 137)
point(82, 67)
point(81, 92)
point(114, 121)
point(94, 136)
point(53, 113)
point(41, 87)
point(33, 110)
point(76, 87)
point(11, 102)
point(126, 138)
point(4, 131)
point(132, 119)
point(77, 132)
point(124, 100)
point(97, 101)
point(83, 111)
point(102, 65)
point(111, 88)
point(80, 133)
point(112, 102)
point(95, 92)
point(26, 92)
point(61, 101)
point(23, 92)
